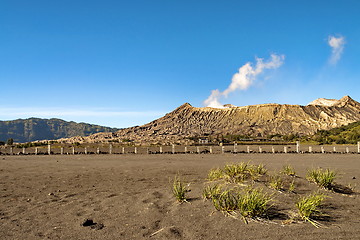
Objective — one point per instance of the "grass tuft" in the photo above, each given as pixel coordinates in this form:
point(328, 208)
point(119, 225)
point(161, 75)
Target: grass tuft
point(211, 192)
point(179, 189)
point(225, 201)
point(249, 203)
point(237, 172)
point(215, 174)
point(323, 178)
point(276, 182)
point(308, 207)
point(256, 171)
point(291, 188)
point(288, 170)
point(253, 203)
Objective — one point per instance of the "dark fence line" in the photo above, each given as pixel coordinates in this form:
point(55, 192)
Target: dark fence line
point(176, 149)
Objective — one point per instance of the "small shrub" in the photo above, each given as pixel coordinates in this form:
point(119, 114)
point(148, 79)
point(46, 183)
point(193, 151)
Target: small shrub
point(179, 190)
point(215, 174)
point(211, 192)
point(288, 170)
point(308, 207)
point(323, 178)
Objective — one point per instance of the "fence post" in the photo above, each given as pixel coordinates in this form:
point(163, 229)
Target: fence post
point(285, 149)
point(36, 151)
point(110, 149)
point(297, 146)
point(358, 147)
point(123, 150)
point(73, 150)
point(334, 149)
point(185, 149)
point(210, 150)
point(61, 150)
point(49, 149)
point(135, 150)
point(235, 150)
point(97, 150)
point(248, 149)
point(85, 150)
point(260, 149)
point(310, 149)
point(24, 151)
point(198, 150)
point(347, 149)
point(322, 149)
point(272, 149)
point(161, 150)
point(173, 149)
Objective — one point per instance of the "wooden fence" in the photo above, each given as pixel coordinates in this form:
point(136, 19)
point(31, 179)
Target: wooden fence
point(176, 149)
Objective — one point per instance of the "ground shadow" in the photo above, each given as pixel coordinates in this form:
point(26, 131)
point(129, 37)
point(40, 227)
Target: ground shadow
point(338, 188)
point(275, 213)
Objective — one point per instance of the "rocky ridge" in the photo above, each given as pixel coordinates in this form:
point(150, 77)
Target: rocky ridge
point(185, 122)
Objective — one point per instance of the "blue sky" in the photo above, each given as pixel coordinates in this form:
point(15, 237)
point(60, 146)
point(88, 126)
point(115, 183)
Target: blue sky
point(125, 63)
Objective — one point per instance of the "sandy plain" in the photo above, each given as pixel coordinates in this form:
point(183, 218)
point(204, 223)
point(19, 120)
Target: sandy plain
point(129, 197)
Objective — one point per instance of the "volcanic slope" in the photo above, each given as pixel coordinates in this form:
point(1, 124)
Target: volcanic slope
point(255, 120)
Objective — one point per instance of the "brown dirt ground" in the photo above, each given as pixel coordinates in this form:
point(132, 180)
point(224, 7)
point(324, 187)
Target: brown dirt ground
point(48, 197)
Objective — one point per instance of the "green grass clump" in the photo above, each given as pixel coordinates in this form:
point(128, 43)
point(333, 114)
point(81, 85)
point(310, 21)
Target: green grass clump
point(179, 189)
point(249, 203)
point(288, 170)
point(308, 207)
point(211, 192)
point(257, 170)
point(323, 178)
point(236, 172)
point(215, 174)
point(226, 201)
point(276, 182)
point(253, 203)
point(291, 188)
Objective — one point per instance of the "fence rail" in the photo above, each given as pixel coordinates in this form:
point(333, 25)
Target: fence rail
point(176, 149)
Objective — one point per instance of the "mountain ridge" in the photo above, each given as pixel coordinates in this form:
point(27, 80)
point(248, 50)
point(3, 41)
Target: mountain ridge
point(37, 129)
point(186, 122)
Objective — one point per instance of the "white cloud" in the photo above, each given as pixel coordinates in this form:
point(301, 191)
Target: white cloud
point(244, 78)
point(337, 48)
point(213, 99)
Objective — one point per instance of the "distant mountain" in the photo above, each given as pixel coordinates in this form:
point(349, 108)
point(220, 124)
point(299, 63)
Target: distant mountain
point(32, 129)
point(187, 123)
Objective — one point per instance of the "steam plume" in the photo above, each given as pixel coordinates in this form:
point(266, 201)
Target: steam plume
point(244, 78)
point(337, 48)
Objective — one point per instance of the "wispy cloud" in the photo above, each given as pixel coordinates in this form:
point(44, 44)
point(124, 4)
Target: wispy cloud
point(244, 78)
point(337, 48)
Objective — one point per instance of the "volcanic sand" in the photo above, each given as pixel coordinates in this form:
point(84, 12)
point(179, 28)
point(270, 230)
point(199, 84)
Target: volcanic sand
point(49, 197)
